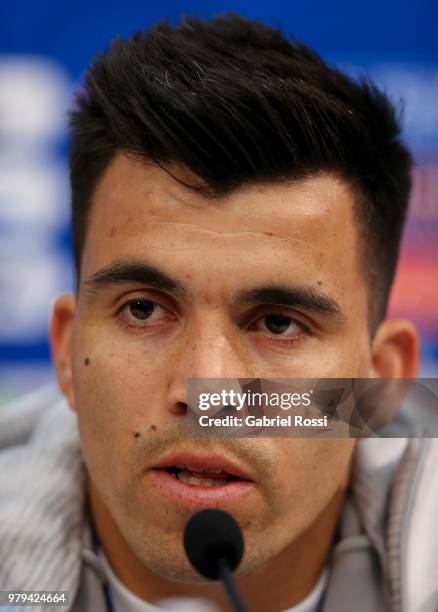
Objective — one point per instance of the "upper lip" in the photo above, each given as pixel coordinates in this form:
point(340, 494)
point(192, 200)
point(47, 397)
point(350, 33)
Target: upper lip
point(211, 462)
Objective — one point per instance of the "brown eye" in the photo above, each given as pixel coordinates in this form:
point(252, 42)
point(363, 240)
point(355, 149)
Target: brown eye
point(280, 325)
point(142, 311)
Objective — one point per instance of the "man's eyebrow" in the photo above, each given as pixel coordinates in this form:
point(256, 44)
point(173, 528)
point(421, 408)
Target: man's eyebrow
point(120, 272)
point(302, 296)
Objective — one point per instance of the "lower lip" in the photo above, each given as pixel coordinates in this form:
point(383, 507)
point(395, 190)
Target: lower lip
point(199, 496)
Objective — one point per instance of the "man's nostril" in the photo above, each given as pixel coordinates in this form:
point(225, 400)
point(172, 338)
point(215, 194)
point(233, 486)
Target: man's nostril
point(180, 409)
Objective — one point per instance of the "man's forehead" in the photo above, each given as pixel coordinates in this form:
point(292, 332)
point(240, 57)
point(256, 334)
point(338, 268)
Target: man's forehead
point(134, 196)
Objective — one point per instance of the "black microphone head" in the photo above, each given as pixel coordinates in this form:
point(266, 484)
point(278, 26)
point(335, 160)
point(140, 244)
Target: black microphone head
point(210, 535)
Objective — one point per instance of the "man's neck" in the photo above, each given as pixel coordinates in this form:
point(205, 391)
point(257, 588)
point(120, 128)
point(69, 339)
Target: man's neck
point(278, 584)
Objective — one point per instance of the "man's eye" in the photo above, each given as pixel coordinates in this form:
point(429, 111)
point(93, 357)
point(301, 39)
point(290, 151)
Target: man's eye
point(280, 325)
point(140, 311)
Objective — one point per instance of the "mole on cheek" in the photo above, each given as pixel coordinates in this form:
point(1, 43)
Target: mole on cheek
point(136, 434)
point(86, 361)
point(153, 428)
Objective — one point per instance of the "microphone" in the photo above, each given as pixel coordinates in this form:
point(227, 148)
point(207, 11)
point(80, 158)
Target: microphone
point(213, 543)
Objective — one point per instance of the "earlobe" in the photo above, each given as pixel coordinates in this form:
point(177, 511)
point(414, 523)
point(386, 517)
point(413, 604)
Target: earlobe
point(61, 330)
point(395, 350)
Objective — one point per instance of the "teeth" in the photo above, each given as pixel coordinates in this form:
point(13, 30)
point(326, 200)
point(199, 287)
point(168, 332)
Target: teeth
point(190, 468)
point(212, 483)
point(184, 476)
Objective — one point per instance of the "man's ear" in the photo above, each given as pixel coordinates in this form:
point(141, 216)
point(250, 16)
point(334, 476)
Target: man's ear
point(395, 350)
point(61, 330)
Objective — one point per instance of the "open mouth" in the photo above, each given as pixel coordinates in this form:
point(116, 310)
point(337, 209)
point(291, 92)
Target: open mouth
point(196, 477)
point(197, 481)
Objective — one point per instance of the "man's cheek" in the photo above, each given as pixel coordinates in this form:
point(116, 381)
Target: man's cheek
point(102, 375)
point(308, 477)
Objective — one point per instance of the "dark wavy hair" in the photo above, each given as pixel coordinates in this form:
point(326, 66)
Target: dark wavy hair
point(236, 102)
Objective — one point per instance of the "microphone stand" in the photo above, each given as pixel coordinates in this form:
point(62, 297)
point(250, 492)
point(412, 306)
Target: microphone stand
point(227, 580)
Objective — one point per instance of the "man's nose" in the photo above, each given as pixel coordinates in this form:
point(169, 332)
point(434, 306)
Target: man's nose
point(215, 356)
point(212, 353)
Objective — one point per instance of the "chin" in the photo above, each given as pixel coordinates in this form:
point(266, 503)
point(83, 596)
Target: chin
point(173, 569)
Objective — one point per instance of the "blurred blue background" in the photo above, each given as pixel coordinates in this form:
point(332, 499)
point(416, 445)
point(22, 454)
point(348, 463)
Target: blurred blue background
point(45, 47)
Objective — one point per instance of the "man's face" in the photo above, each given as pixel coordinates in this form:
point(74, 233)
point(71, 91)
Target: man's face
point(135, 344)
